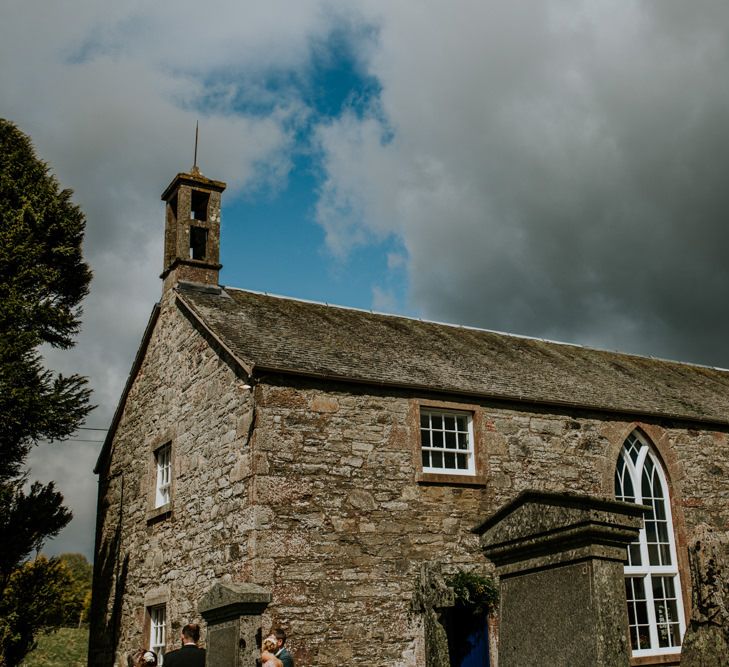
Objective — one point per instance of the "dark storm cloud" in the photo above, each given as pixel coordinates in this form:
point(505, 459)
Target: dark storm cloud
point(561, 172)
point(551, 168)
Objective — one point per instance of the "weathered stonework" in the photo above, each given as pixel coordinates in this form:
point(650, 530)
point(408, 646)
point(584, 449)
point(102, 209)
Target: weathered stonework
point(233, 616)
point(310, 489)
point(294, 437)
point(706, 643)
point(560, 560)
point(183, 394)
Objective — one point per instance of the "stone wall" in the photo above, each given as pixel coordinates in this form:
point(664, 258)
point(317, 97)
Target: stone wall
point(311, 489)
point(338, 466)
point(184, 394)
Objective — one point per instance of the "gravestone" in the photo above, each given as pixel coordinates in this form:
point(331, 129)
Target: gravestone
point(233, 615)
point(560, 558)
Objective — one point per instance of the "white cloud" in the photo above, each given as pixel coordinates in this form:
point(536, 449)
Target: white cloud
point(550, 168)
point(110, 94)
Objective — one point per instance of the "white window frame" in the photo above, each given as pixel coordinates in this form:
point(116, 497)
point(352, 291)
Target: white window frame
point(633, 469)
point(431, 450)
point(158, 631)
point(163, 476)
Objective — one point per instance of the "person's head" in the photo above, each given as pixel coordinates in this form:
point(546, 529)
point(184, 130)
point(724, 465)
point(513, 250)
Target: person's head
point(269, 644)
point(191, 633)
point(280, 636)
point(144, 658)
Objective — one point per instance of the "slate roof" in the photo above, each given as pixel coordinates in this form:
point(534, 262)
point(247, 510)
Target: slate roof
point(271, 333)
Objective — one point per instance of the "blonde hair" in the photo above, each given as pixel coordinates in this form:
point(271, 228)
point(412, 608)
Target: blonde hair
point(269, 643)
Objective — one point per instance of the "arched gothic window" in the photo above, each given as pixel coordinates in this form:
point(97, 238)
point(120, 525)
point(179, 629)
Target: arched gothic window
point(652, 586)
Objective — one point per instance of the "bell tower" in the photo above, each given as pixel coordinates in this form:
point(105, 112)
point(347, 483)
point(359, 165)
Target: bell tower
point(192, 230)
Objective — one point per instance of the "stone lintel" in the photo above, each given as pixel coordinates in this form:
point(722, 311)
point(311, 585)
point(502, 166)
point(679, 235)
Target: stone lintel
point(543, 529)
point(224, 602)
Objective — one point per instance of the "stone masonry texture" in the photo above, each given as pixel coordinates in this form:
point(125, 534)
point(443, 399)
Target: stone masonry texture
point(310, 488)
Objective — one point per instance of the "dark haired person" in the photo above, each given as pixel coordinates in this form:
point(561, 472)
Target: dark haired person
point(282, 653)
point(190, 655)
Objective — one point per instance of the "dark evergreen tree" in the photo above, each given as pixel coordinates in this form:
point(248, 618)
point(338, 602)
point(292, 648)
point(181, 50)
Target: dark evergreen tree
point(43, 279)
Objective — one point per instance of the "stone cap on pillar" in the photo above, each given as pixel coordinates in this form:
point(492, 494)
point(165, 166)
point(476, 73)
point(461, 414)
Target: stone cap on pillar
point(542, 529)
point(224, 602)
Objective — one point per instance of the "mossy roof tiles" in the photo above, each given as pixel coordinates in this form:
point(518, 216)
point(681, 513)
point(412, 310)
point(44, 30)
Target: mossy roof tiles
point(275, 333)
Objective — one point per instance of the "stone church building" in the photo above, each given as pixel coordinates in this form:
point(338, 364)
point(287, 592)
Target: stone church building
point(336, 462)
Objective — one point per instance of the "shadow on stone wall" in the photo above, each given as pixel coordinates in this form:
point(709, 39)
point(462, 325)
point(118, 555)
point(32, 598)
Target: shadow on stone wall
point(110, 578)
point(706, 643)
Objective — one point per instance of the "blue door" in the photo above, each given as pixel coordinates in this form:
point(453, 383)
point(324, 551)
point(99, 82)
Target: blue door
point(468, 638)
point(477, 647)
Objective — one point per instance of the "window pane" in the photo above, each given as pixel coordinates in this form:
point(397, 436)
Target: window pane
point(437, 458)
point(426, 459)
point(646, 489)
point(424, 420)
point(634, 637)
point(425, 438)
point(461, 461)
point(631, 447)
point(662, 530)
point(450, 422)
point(437, 438)
point(675, 634)
point(663, 636)
point(657, 585)
point(628, 492)
point(636, 598)
point(450, 460)
point(634, 554)
point(437, 422)
point(462, 441)
point(450, 440)
point(653, 557)
point(650, 531)
point(461, 421)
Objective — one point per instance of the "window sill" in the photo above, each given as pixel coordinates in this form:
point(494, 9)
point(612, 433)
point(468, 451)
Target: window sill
point(651, 660)
point(159, 513)
point(443, 479)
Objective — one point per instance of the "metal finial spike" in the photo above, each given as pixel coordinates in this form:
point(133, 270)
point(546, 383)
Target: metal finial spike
point(194, 164)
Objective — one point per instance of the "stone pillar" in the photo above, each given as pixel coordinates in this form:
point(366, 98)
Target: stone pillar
point(706, 642)
point(431, 596)
point(560, 558)
point(233, 615)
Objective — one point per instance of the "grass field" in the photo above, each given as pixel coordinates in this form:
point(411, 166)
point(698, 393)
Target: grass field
point(65, 648)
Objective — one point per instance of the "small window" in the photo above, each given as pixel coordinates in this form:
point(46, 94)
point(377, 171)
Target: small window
point(157, 623)
point(446, 442)
point(199, 205)
point(163, 460)
point(198, 242)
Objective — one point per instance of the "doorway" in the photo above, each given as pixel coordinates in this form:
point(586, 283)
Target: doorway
point(468, 639)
